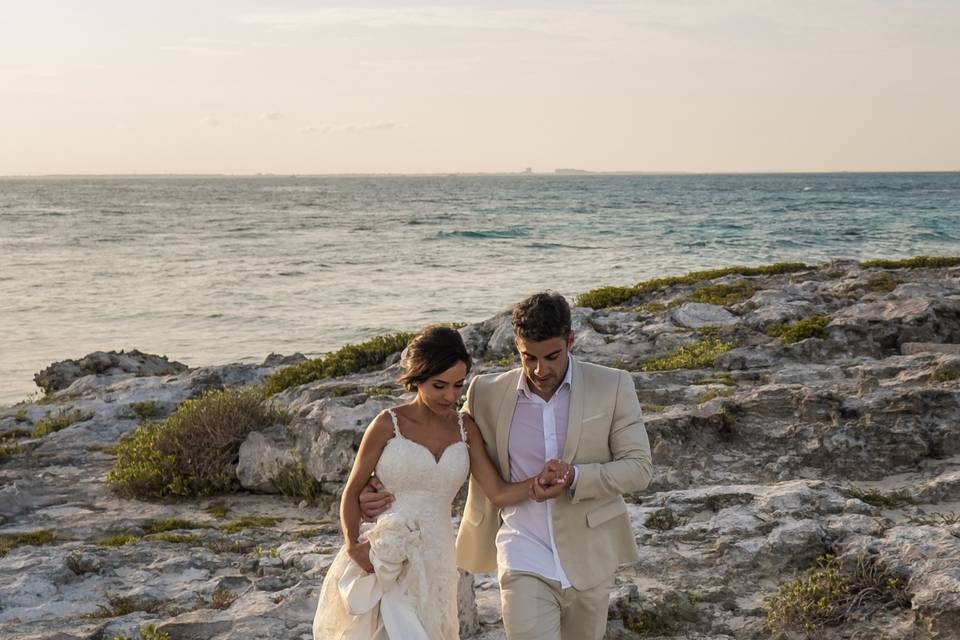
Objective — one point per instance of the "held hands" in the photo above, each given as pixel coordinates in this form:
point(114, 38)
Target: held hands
point(556, 476)
point(374, 500)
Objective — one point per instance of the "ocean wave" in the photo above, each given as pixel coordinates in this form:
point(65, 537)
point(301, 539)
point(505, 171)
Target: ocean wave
point(500, 234)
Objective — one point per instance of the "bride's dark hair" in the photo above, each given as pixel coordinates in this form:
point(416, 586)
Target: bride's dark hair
point(435, 349)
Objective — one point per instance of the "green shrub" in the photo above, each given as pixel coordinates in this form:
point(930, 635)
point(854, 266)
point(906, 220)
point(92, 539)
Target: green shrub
point(830, 593)
point(34, 538)
point(294, 481)
point(918, 262)
point(723, 294)
point(21, 416)
point(190, 452)
point(350, 358)
point(652, 408)
point(812, 327)
point(248, 522)
point(62, 420)
point(613, 296)
point(696, 355)
point(146, 410)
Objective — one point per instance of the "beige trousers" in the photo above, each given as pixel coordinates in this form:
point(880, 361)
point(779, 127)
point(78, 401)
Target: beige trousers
point(535, 608)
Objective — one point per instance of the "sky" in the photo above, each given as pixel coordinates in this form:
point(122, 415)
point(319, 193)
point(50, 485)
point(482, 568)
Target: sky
point(118, 87)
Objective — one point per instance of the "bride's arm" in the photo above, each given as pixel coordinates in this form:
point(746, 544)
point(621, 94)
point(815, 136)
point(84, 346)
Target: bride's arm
point(371, 446)
point(499, 492)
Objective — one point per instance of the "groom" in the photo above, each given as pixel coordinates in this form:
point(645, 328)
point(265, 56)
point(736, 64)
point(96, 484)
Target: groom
point(556, 555)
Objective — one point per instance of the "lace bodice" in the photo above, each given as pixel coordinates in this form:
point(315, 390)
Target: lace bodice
point(419, 482)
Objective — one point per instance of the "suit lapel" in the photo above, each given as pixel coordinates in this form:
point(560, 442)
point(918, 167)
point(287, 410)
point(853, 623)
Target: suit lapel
point(575, 419)
point(508, 405)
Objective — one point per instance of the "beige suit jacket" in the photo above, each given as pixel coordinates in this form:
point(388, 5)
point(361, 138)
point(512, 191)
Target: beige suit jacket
point(607, 441)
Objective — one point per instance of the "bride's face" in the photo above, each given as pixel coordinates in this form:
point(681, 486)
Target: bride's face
point(441, 392)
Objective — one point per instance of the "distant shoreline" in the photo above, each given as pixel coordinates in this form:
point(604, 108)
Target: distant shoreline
point(566, 173)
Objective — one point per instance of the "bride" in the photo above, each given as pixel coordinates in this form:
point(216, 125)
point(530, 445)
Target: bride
point(396, 579)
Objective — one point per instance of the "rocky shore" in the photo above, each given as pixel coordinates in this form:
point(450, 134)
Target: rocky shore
point(805, 428)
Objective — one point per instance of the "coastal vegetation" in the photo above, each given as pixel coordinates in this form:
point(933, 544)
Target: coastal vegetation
point(190, 452)
point(917, 262)
point(350, 358)
point(603, 297)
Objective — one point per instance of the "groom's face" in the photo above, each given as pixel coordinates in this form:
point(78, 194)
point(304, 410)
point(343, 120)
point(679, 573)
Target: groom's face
point(544, 362)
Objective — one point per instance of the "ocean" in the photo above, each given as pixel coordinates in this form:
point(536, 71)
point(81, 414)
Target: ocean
point(209, 270)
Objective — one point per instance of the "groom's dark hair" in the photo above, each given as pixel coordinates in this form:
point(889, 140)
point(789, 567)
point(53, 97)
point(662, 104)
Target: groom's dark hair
point(542, 316)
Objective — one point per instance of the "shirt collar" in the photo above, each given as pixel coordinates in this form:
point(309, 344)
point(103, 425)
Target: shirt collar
point(524, 388)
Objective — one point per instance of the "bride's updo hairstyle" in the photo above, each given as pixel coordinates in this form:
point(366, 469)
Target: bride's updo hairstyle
point(435, 349)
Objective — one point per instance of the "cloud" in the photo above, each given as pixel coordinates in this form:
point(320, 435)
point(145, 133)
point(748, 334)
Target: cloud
point(211, 122)
point(272, 115)
point(205, 48)
point(358, 127)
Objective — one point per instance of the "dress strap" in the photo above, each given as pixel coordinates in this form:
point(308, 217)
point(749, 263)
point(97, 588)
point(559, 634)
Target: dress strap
point(396, 425)
point(463, 432)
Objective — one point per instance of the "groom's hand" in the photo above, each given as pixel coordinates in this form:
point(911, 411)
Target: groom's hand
point(374, 499)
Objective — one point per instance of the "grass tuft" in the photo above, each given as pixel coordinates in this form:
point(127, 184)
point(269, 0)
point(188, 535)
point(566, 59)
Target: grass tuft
point(710, 394)
point(218, 510)
point(812, 327)
point(294, 481)
point(172, 524)
point(723, 294)
point(34, 538)
point(350, 358)
point(946, 372)
point(936, 519)
point(878, 498)
point(696, 355)
point(62, 420)
point(249, 522)
point(146, 410)
point(119, 540)
point(663, 519)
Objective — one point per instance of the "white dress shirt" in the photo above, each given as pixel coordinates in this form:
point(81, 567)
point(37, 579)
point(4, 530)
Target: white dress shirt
point(538, 432)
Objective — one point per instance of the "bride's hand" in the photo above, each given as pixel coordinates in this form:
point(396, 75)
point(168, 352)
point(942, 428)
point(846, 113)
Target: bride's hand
point(359, 552)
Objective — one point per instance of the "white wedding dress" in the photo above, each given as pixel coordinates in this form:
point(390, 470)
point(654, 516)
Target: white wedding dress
point(412, 594)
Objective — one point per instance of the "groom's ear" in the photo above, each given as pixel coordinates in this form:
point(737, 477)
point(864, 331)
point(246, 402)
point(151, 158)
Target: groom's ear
point(570, 337)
